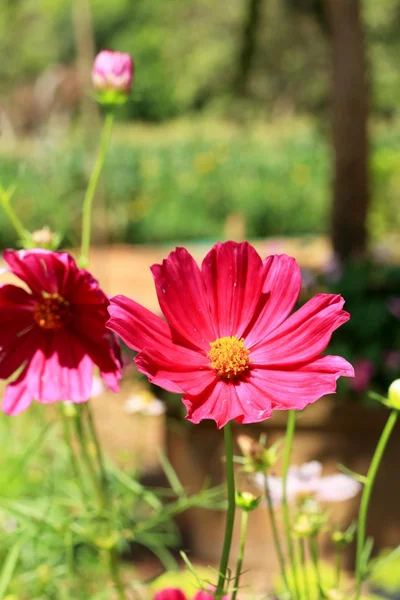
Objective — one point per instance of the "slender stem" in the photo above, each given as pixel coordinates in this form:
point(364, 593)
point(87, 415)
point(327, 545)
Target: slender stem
point(16, 223)
point(115, 574)
point(314, 556)
point(101, 486)
point(243, 532)
point(86, 457)
point(291, 424)
point(68, 444)
point(230, 515)
point(365, 498)
point(275, 533)
point(91, 189)
point(338, 564)
point(303, 562)
point(99, 452)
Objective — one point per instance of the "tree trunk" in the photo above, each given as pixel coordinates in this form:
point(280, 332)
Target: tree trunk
point(247, 47)
point(349, 128)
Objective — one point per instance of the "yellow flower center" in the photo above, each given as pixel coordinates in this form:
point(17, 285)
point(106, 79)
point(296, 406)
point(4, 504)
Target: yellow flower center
point(52, 312)
point(229, 357)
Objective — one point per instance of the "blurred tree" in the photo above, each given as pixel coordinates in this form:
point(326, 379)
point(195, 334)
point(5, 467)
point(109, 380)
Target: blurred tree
point(247, 46)
point(341, 21)
point(349, 128)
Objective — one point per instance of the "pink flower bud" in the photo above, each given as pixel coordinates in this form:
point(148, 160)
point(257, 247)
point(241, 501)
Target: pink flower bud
point(112, 76)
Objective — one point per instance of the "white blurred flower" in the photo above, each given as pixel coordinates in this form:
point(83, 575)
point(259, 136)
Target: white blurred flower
point(307, 480)
point(144, 403)
point(97, 387)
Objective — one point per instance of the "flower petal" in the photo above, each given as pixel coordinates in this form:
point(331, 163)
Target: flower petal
point(16, 398)
point(281, 289)
point(223, 402)
point(16, 307)
point(303, 336)
point(182, 299)
point(137, 326)
point(180, 370)
point(60, 370)
point(337, 488)
point(18, 350)
point(296, 389)
point(41, 270)
point(233, 276)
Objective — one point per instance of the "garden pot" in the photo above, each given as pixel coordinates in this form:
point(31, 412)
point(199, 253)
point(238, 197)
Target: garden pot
point(330, 431)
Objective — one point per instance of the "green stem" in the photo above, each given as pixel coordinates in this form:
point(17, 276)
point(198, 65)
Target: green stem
point(303, 562)
point(16, 223)
point(243, 531)
point(314, 556)
point(86, 457)
point(99, 452)
point(115, 574)
point(365, 498)
point(91, 189)
point(338, 564)
point(230, 515)
point(68, 444)
point(291, 424)
point(101, 486)
point(275, 533)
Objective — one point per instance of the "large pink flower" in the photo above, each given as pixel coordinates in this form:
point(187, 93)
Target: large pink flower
point(55, 332)
point(230, 344)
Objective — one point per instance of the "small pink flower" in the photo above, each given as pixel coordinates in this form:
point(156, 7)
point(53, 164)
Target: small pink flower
point(230, 342)
point(113, 71)
point(53, 334)
point(364, 370)
point(307, 480)
point(170, 594)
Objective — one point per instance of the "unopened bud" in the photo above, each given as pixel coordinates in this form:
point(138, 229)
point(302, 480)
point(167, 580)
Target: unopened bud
point(343, 538)
point(45, 238)
point(247, 501)
point(112, 77)
point(394, 395)
point(257, 457)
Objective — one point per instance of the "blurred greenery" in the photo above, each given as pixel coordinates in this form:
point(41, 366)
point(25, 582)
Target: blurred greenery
point(182, 182)
point(186, 52)
point(51, 536)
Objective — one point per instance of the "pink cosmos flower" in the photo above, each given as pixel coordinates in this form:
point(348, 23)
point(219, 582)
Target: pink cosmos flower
point(230, 343)
point(55, 333)
point(112, 71)
point(170, 594)
point(307, 480)
point(178, 594)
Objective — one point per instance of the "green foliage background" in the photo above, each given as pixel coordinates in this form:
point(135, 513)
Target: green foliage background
point(186, 52)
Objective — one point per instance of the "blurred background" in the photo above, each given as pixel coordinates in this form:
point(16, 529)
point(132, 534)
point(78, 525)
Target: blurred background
point(271, 120)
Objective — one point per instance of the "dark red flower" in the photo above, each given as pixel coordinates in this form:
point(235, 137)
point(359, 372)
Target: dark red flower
point(54, 332)
point(230, 343)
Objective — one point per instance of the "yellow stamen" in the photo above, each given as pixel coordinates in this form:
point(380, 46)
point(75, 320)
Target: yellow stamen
point(52, 312)
point(229, 357)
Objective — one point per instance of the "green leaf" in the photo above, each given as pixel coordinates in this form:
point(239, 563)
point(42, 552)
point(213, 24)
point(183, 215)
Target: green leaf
point(9, 567)
point(361, 478)
point(171, 475)
point(380, 562)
